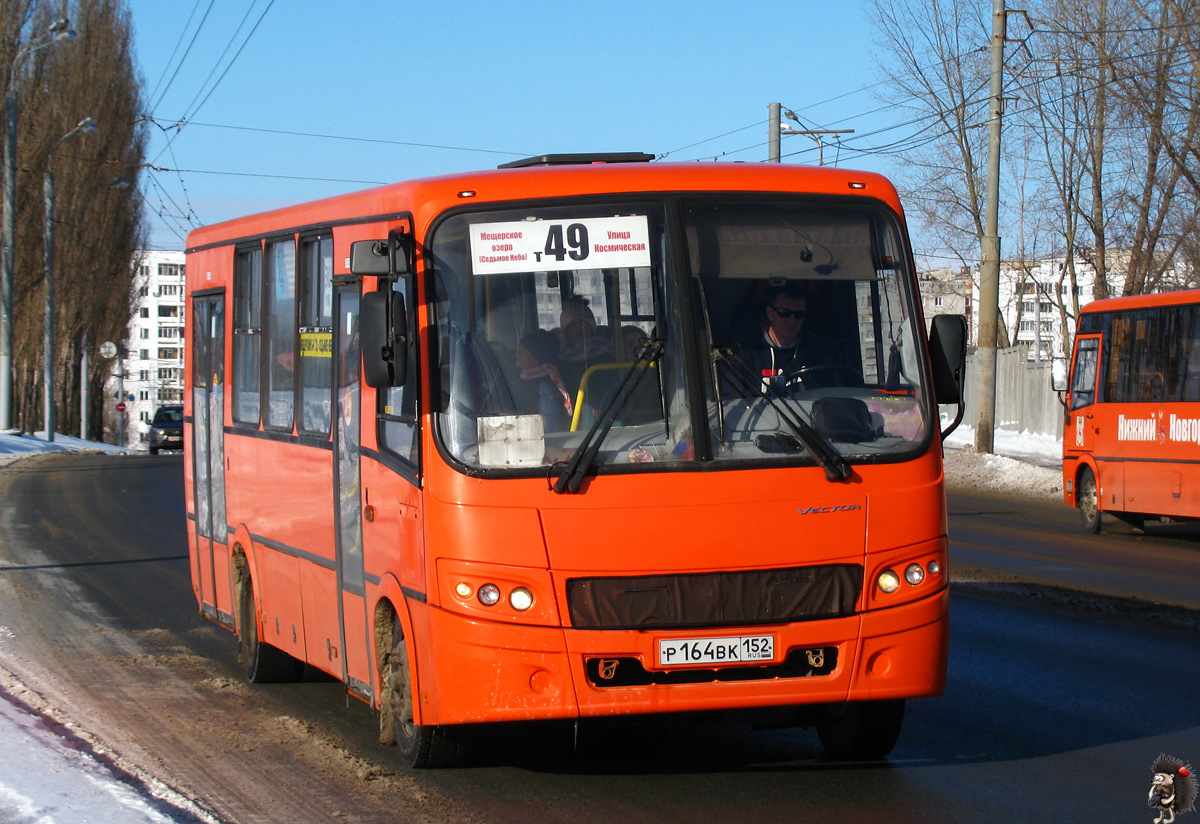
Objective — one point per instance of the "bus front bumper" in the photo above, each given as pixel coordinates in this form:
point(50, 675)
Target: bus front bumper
point(487, 672)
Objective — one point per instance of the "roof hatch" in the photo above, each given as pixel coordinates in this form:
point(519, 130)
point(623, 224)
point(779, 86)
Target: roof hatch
point(579, 159)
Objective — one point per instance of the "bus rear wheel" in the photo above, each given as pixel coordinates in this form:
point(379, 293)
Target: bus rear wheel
point(421, 746)
point(860, 730)
point(1087, 498)
point(261, 662)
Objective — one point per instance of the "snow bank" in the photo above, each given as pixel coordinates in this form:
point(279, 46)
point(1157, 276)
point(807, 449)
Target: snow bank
point(1026, 465)
point(14, 445)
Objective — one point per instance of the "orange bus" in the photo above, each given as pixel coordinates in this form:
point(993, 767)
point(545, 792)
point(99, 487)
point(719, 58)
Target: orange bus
point(1131, 440)
point(493, 447)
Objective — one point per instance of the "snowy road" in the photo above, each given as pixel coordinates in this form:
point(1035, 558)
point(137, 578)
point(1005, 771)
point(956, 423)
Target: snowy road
point(54, 776)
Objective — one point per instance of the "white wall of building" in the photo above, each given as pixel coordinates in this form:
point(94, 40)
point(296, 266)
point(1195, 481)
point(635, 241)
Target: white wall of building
point(1035, 295)
point(152, 355)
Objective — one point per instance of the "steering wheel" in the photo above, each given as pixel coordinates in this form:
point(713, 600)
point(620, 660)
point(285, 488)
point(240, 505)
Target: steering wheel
point(818, 377)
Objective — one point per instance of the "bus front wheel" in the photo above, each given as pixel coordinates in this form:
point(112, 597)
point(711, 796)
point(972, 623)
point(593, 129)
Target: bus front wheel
point(421, 746)
point(860, 730)
point(1087, 497)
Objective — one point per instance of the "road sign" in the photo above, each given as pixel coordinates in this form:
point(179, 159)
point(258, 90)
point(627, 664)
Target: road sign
point(121, 406)
point(108, 349)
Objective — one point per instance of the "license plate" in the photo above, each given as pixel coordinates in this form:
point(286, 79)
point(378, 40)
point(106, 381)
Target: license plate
point(679, 652)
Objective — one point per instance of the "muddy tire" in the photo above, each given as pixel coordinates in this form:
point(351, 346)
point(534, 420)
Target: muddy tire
point(860, 730)
point(1087, 498)
point(261, 662)
point(420, 746)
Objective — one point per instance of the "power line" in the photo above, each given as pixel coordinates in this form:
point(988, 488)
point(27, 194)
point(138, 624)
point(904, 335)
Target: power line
point(338, 137)
point(274, 177)
point(179, 66)
point(199, 106)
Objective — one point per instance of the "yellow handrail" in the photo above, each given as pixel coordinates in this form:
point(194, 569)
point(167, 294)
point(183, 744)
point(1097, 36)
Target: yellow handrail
point(600, 367)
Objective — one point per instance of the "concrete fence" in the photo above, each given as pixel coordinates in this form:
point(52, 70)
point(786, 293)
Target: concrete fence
point(1024, 399)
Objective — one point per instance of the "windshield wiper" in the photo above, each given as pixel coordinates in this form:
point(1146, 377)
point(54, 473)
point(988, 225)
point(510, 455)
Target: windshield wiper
point(836, 467)
point(584, 456)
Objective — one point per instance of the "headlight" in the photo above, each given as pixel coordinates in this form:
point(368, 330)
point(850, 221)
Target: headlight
point(489, 595)
point(520, 599)
point(914, 574)
point(888, 581)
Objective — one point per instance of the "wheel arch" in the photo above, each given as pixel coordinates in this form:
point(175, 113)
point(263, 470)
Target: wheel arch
point(243, 561)
point(1086, 462)
point(390, 604)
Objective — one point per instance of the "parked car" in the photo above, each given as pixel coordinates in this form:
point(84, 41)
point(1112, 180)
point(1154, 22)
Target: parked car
point(166, 430)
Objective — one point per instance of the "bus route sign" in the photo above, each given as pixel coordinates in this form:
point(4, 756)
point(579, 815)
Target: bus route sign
point(559, 245)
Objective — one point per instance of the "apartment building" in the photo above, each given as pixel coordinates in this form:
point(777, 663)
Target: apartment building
point(949, 292)
point(153, 352)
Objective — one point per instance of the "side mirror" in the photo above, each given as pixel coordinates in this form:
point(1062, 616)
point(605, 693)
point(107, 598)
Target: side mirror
point(378, 258)
point(948, 357)
point(1058, 374)
point(369, 257)
point(383, 324)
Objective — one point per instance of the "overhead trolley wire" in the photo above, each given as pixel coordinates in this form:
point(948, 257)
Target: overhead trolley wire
point(186, 52)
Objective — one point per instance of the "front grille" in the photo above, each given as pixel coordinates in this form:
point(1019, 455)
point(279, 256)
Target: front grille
point(715, 599)
point(629, 672)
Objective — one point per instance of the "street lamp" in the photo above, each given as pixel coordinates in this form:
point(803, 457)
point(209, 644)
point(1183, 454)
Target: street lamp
point(58, 32)
point(85, 126)
point(115, 183)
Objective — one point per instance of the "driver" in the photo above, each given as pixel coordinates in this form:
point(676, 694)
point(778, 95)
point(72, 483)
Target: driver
point(783, 348)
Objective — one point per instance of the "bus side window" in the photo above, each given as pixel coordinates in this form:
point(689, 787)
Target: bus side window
point(247, 334)
point(1083, 387)
point(399, 416)
point(279, 340)
point(316, 334)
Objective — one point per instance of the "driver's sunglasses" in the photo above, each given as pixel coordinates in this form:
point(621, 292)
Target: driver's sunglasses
point(788, 313)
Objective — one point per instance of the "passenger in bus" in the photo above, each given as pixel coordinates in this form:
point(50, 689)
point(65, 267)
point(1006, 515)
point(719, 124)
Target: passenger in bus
point(542, 389)
point(781, 346)
point(581, 343)
point(632, 341)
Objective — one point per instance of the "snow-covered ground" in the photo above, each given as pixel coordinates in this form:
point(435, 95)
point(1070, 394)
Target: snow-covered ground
point(49, 775)
point(14, 445)
point(1024, 464)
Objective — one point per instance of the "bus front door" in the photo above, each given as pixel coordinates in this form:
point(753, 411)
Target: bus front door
point(1085, 378)
point(352, 605)
point(211, 572)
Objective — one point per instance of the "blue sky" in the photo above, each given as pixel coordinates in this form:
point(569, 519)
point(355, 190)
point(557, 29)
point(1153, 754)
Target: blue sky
point(435, 87)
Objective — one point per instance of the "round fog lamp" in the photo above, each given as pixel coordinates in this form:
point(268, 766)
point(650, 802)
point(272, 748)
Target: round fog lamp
point(888, 581)
point(934, 568)
point(489, 595)
point(463, 590)
point(520, 599)
point(914, 574)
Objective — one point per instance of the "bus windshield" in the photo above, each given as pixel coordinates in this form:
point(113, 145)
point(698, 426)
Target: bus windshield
point(764, 331)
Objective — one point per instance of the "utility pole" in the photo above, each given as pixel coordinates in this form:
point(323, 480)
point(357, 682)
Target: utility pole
point(83, 389)
point(87, 125)
point(989, 247)
point(8, 223)
point(48, 337)
point(774, 130)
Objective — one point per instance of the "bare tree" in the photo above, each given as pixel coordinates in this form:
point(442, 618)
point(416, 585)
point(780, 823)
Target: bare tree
point(1109, 93)
point(98, 210)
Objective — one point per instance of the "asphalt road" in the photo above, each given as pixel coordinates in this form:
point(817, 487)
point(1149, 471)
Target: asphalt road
point(1043, 542)
point(1049, 715)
